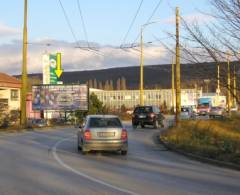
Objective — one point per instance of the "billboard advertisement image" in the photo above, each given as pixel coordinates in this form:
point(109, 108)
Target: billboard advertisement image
point(60, 97)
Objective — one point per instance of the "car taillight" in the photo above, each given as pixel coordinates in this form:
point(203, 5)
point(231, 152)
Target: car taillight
point(124, 135)
point(87, 134)
point(152, 115)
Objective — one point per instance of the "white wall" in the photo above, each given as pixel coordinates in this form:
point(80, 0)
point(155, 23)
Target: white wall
point(5, 93)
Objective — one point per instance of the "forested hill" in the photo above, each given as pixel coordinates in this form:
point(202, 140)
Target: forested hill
point(157, 76)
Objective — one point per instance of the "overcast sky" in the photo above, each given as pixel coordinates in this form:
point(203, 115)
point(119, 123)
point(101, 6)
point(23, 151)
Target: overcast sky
point(106, 22)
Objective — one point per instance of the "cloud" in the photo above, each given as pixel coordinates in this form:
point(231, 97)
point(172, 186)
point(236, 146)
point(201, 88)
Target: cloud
point(73, 58)
point(7, 31)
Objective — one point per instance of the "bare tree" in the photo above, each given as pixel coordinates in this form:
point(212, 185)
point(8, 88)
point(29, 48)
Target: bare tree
point(217, 41)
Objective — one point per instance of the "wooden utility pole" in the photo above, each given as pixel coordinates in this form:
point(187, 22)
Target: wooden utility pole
point(178, 71)
point(234, 87)
point(173, 85)
point(24, 70)
point(218, 81)
point(141, 70)
point(228, 84)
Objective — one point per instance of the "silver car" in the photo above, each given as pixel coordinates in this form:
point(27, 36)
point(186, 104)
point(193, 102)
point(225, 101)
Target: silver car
point(102, 133)
point(217, 112)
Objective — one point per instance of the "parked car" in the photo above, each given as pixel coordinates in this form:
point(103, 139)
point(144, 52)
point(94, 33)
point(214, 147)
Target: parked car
point(203, 109)
point(102, 133)
point(217, 112)
point(37, 122)
point(147, 115)
point(187, 113)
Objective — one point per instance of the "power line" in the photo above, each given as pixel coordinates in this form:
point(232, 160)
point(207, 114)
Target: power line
point(73, 34)
point(83, 23)
point(68, 22)
point(149, 19)
point(131, 24)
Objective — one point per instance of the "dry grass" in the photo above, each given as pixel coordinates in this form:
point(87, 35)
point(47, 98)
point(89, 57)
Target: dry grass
point(210, 138)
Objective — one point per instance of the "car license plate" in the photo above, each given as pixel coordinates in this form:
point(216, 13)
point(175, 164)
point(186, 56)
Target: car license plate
point(142, 116)
point(106, 134)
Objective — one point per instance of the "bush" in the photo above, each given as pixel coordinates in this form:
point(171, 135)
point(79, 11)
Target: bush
point(214, 139)
point(95, 107)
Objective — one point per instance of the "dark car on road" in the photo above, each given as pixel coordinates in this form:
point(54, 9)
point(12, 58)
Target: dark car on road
point(147, 115)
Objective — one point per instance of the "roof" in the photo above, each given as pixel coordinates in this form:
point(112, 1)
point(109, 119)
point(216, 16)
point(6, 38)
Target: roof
point(9, 81)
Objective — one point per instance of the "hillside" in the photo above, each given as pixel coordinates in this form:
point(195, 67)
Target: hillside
point(157, 76)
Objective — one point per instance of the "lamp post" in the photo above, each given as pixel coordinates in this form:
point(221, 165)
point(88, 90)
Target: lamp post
point(142, 63)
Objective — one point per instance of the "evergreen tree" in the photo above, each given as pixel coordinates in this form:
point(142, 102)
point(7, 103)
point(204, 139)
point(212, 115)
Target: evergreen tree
point(111, 85)
point(100, 86)
point(118, 84)
point(106, 86)
point(123, 83)
point(95, 84)
point(90, 83)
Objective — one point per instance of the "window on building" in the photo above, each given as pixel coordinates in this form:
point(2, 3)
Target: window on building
point(3, 104)
point(14, 94)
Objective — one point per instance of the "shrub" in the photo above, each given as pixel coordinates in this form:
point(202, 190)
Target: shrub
point(214, 139)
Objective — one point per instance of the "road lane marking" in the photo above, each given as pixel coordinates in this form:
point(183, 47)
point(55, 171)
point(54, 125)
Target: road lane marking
point(58, 159)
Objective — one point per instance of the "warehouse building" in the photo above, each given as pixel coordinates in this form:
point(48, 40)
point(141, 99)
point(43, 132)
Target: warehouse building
point(158, 97)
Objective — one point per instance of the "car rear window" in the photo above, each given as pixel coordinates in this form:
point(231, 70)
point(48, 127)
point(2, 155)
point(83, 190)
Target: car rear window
point(104, 122)
point(146, 109)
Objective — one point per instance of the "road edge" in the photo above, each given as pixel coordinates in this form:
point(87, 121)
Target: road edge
point(218, 163)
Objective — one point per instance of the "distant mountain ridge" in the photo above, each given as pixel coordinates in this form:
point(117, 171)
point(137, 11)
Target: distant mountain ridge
point(155, 76)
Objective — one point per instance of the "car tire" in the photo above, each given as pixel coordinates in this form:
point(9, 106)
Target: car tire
point(142, 125)
point(84, 151)
point(134, 126)
point(124, 152)
point(78, 145)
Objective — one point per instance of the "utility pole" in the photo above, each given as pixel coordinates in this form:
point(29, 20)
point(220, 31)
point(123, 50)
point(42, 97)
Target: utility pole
point(228, 84)
point(178, 72)
point(24, 69)
point(218, 81)
point(141, 70)
point(173, 86)
point(234, 87)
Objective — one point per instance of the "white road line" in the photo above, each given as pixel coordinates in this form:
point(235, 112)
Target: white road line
point(57, 158)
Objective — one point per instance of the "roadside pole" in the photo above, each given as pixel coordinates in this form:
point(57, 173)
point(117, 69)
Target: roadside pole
point(141, 71)
point(228, 84)
point(234, 87)
point(23, 118)
point(218, 80)
point(178, 72)
point(173, 86)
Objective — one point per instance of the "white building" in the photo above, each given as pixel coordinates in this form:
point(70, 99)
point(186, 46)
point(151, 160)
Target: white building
point(130, 98)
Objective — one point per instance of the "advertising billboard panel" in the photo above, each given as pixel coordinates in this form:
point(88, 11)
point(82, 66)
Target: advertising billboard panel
point(51, 64)
point(60, 97)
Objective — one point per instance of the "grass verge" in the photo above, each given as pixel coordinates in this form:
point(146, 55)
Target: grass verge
point(215, 139)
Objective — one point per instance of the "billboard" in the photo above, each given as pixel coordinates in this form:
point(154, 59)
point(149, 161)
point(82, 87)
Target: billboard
point(60, 97)
point(51, 63)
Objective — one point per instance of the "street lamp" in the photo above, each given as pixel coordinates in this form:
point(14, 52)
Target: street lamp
point(142, 62)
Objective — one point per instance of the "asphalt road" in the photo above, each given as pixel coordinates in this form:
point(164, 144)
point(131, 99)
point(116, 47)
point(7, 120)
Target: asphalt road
point(47, 162)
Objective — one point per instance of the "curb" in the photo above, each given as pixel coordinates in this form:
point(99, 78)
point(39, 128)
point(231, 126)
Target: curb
point(35, 129)
point(218, 163)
